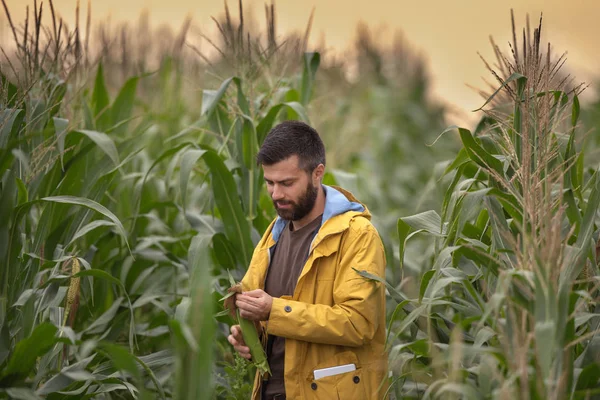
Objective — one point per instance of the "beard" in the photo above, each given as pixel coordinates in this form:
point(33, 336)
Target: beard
point(302, 207)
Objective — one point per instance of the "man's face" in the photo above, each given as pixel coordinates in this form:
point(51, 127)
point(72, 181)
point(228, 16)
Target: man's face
point(291, 188)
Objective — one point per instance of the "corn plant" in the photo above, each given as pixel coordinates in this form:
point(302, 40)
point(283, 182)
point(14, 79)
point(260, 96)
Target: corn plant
point(231, 200)
point(111, 239)
point(509, 306)
point(76, 282)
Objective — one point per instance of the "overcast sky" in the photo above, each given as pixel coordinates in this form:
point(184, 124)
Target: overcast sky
point(448, 32)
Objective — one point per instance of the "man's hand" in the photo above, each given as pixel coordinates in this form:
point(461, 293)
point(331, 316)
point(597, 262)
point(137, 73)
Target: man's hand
point(237, 341)
point(254, 305)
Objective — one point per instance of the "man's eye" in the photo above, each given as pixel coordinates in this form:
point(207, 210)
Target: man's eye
point(286, 184)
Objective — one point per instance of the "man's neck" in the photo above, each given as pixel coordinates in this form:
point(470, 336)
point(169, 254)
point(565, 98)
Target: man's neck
point(317, 210)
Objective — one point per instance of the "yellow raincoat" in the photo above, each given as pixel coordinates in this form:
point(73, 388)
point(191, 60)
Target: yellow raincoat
point(335, 316)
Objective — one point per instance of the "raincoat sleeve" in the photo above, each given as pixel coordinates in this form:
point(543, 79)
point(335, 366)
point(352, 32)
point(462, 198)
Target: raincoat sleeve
point(353, 318)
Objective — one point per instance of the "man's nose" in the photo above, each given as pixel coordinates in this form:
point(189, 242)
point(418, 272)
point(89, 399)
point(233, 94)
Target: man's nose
point(277, 193)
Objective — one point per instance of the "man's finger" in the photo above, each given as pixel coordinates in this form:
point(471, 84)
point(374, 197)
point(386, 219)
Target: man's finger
point(254, 293)
point(236, 331)
point(244, 305)
point(242, 349)
point(236, 335)
point(246, 299)
point(249, 315)
point(231, 340)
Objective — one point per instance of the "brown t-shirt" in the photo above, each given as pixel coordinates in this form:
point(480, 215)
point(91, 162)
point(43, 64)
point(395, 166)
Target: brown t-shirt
point(291, 252)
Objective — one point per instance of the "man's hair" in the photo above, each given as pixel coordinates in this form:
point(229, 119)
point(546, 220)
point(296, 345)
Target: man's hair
point(292, 138)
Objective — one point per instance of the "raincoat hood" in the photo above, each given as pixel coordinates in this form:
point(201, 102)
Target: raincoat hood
point(337, 201)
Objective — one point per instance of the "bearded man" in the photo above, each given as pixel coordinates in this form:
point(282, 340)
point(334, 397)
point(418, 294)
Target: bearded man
point(324, 324)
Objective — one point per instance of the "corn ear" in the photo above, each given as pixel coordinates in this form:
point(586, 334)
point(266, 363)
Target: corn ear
point(250, 334)
point(249, 330)
point(73, 291)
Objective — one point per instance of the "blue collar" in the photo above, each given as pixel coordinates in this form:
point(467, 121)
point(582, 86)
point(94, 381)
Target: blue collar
point(335, 204)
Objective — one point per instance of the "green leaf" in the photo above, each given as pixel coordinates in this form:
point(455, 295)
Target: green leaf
point(226, 198)
point(399, 307)
point(575, 111)
point(92, 205)
point(242, 100)
point(97, 273)
point(121, 359)
point(546, 344)
point(211, 98)
point(72, 373)
point(101, 101)
point(88, 228)
point(478, 153)
point(311, 64)
point(193, 374)
point(471, 205)
point(428, 221)
point(10, 125)
point(515, 76)
point(291, 94)
point(123, 105)
point(104, 142)
point(23, 193)
point(195, 127)
point(11, 90)
point(37, 115)
point(224, 251)
point(510, 203)
point(410, 318)
point(572, 210)
point(461, 158)
point(26, 353)
point(403, 231)
point(22, 394)
point(266, 123)
point(589, 377)
point(249, 144)
point(100, 324)
point(60, 130)
point(465, 391)
point(188, 160)
point(500, 229)
point(299, 110)
point(419, 348)
point(425, 282)
point(55, 97)
point(584, 244)
point(394, 292)
point(138, 193)
point(449, 194)
point(329, 179)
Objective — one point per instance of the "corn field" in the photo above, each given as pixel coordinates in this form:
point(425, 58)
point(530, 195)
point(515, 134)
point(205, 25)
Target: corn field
point(129, 193)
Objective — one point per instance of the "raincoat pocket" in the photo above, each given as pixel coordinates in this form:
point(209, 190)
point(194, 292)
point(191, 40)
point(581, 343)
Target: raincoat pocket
point(345, 386)
point(351, 386)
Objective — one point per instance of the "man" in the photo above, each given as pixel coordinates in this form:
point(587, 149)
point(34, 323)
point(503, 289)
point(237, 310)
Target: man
point(317, 311)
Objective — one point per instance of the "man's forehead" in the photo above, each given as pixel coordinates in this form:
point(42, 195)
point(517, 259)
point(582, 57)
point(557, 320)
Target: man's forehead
point(288, 165)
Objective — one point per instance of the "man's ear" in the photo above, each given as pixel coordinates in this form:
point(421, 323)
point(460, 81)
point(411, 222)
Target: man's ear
point(318, 173)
